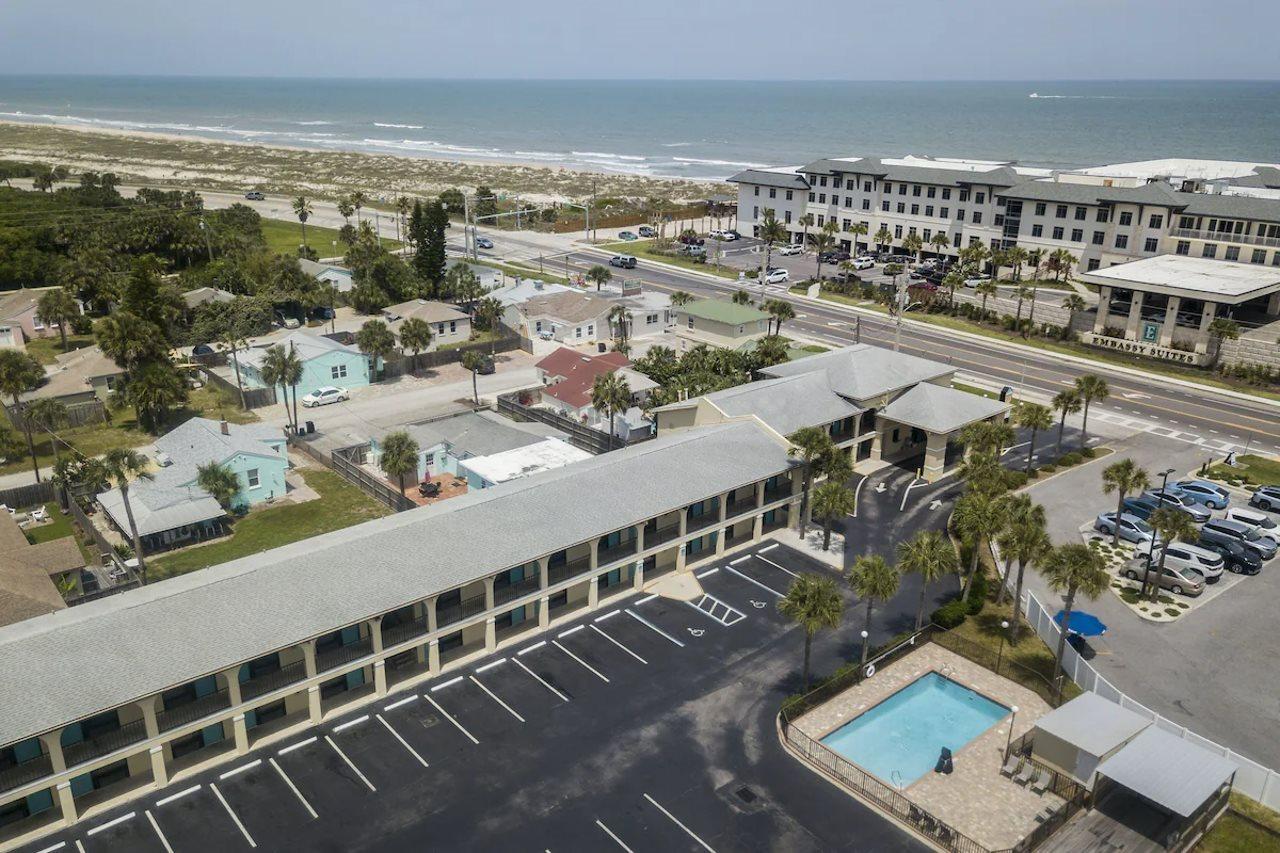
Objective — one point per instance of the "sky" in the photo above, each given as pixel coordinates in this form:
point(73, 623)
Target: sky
point(666, 39)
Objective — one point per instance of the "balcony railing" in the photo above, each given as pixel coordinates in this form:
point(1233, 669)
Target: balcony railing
point(23, 772)
point(401, 631)
point(702, 522)
point(616, 552)
point(105, 743)
point(465, 610)
point(171, 718)
point(777, 493)
point(733, 509)
point(1223, 237)
point(337, 657)
point(503, 594)
point(661, 536)
point(269, 681)
point(564, 571)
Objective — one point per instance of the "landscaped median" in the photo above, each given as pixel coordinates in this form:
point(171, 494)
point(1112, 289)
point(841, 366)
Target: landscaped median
point(646, 249)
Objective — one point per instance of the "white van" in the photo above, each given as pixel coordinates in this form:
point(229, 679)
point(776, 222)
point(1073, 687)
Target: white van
point(1183, 557)
point(1259, 521)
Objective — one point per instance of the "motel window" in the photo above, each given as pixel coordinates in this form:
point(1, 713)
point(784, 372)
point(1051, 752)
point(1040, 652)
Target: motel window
point(1057, 232)
point(850, 184)
point(1156, 220)
point(813, 196)
point(1259, 256)
point(848, 201)
point(964, 195)
point(979, 198)
point(790, 193)
point(1102, 214)
point(252, 476)
point(1233, 253)
point(1122, 241)
point(944, 212)
point(1183, 248)
point(773, 192)
point(1093, 264)
point(786, 217)
point(338, 371)
point(1040, 208)
point(897, 232)
point(915, 210)
point(928, 210)
point(866, 187)
point(1210, 250)
point(977, 217)
point(1081, 213)
point(1037, 230)
point(1151, 244)
point(822, 182)
point(888, 187)
point(902, 189)
point(1060, 212)
point(960, 215)
point(946, 193)
point(866, 204)
point(1099, 237)
point(757, 190)
point(902, 207)
point(1126, 218)
point(915, 191)
point(884, 206)
point(1077, 235)
point(821, 220)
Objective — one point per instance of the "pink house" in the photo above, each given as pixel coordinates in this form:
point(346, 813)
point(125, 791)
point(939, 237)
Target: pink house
point(18, 320)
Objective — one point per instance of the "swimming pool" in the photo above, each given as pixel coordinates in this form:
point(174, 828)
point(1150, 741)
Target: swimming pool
point(906, 732)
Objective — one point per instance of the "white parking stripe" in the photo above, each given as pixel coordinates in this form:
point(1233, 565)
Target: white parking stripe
point(707, 573)
point(776, 566)
point(619, 645)
point(111, 823)
point(448, 683)
point(767, 549)
point(241, 769)
point(299, 745)
point(650, 625)
point(405, 701)
point(616, 839)
point(79, 846)
point(395, 734)
point(741, 559)
point(354, 769)
point(677, 822)
point(608, 615)
point(294, 788)
point(575, 629)
point(57, 846)
point(151, 819)
point(757, 583)
point(452, 720)
point(598, 674)
point(495, 698)
point(542, 681)
point(247, 837)
point(349, 723)
point(177, 796)
point(489, 666)
point(528, 649)
point(646, 599)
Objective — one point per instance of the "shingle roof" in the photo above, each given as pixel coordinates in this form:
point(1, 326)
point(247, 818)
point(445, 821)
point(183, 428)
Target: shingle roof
point(203, 295)
point(1092, 724)
point(72, 373)
point(571, 306)
point(788, 403)
point(722, 311)
point(308, 346)
point(939, 409)
point(425, 309)
point(26, 590)
point(766, 178)
point(1171, 772)
point(861, 372)
point(479, 434)
point(270, 600)
point(157, 508)
point(15, 302)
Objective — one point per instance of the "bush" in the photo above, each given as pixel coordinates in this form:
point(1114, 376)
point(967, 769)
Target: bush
point(1014, 480)
point(950, 615)
point(1047, 469)
point(1089, 453)
point(81, 324)
point(978, 593)
point(1066, 460)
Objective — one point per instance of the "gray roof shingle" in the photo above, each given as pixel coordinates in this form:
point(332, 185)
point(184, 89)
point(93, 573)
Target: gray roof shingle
point(1171, 772)
point(861, 372)
point(938, 409)
point(788, 403)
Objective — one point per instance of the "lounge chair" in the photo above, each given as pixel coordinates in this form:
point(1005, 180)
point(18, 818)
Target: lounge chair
point(1011, 766)
point(1041, 783)
point(1045, 813)
point(1024, 775)
point(39, 514)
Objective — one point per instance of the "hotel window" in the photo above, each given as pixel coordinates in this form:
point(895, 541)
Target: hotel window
point(1000, 201)
point(813, 196)
point(1099, 237)
point(1060, 212)
point(1183, 248)
point(845, 223)
point(822, 198)
point(1077, 235)
point(964, 195)
point(1210, 250)
point(773, 193)
point(975, 241)
point(933, 191)
point(902, 207)
point(848, 201)
point(888, 187)
point(1187, 222)
point(1122, 241)
point(944, 212)
point(1102, 214)
point(866, 204)
point(977, 217)
point(1037, 230)
point(1259, 256)
point(1233, 253)
point(1057, 232)
point(822, 182)
point(338, 371)
point(757, 189)
point(1081, 213)
point(755, 212)
point(979, 198)
point(577, 332)
point(789, 194)
point(960, 215)
point(1156, 220)
point(1093, 264)
point(866, 187)
point(926, 234)
point(884, 206)
point(1040, 208)
point(821, 219)
point(946, 193)
point(1126, 218)
point(897, 232)
point(915, 210)
point(252, 476)
point(928, 210)
point(902, 189)
point(915, 190)
point(911, 229)
point(1151, 244)
point(850, 184)
point(1275, 260)
point(786, 216)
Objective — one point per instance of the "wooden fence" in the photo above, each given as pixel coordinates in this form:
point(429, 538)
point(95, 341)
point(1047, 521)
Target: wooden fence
point(580, 435)
point(19, 497)
point(404, 364)
point(346, 462)
point(90, 531)
point(254, 398)
point(84, 413)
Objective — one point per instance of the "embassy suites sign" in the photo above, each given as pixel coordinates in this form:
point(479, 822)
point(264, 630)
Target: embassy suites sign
point(1145, 348)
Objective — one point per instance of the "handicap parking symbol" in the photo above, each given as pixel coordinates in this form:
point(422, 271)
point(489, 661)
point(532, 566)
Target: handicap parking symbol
point(697, 632)
point(758, 605)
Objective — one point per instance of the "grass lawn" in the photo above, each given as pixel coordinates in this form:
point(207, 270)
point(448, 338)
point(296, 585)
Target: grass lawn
point(644, 249)
point(284, 238)
point(973, 389)
point(1247, 828)
point(46, 350)
point(1254, 470)
point(60, 527)
point(480, 336)
point(340, 505)
point(521, 271)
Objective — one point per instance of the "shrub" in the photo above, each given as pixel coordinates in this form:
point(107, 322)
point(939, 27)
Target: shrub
point(1047, 469)
point(978, 593)
point(1014, 480)
point(1066, 460)
point(1089, 453)
point(950, 615)
point(81, 324)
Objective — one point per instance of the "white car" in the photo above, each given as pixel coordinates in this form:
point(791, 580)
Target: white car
point(976, 280)
point(1183, 557)
point(729, 236)
point(778, 276)
point(863, 263)
point(791, 249)
point(1264, 524)
point(716, 234)
point(325, 396)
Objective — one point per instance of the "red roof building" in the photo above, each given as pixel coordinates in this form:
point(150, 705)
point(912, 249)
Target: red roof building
point(569, 375)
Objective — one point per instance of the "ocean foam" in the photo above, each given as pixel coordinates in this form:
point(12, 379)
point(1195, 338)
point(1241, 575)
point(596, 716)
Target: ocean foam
point(398, 126)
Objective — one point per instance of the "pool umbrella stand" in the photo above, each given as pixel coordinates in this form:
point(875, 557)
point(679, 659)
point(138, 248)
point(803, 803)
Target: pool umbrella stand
point(1079, 622)
point(944, 764)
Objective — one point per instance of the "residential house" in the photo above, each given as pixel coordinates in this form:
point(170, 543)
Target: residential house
point(31, 574)
point(337, 277)
point(571, 317)
point(490, 279)
point(483, 472)
point(79, 376)
point(444, 443)
point(325, 362)
point(171, 510)
point(718, 323)
point(568, 377)
point(18, 320)
point(648, 311)
point(521, 291)
point(448, 324)
point(206, 296)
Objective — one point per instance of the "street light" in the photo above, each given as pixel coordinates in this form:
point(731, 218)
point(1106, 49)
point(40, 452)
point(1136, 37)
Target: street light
point(864, 646)
point(1009, 740)
point(1004, 629)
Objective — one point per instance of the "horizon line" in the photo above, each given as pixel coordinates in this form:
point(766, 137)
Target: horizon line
point(630, 79)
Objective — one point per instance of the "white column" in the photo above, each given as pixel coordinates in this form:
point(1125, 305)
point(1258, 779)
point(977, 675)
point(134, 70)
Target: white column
point(1135, 317)
point(1170, 321)
point(1104, 310)
point(379, 666)
point(637, 576)
point(1202, 338)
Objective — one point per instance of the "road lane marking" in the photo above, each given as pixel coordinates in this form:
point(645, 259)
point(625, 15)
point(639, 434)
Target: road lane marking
point(151, 820)
point(777, 566)
point(528, 649)
point(354, 769)
point(616, 839)
point(240, 769)
point(619, 645)
point(398, 703)
point(591, 668)
point(349, 723)
point(111, 823)
point(448, 717)
point(650, 625)
point(294, 788)
point(767, 589)
point(395, 734)
point(177, 796)
point(677, 822)
point(234, 819)
point(299, 745)
point(541, 681)
point(495, 698)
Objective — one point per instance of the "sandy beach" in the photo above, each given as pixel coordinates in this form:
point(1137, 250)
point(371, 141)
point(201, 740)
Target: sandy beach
point(196, 163)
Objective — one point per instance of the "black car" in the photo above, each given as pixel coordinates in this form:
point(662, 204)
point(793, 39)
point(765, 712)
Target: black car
point(834, 256)
point(1267, 497)
point(254, 195)
point(1239, 560)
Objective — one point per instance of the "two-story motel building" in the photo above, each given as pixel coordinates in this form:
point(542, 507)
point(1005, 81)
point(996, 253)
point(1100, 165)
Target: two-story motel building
point(143, 688)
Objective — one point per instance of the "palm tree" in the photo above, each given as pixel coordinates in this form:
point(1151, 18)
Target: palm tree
point(358, 199)
point(1016, 256)
point(913, 245)
point(832, 501)
point(293, 370)
point(813, 603)
point(1022, 293)
point(779, 310)
point(399, 456)
point(1222, 329)
point(806, 222)
point(809, 445)
point(415, 336)
point(618, 317)
point(376, 341)
point(1091, 387)
point(981, 471)
point(1074, 569)
point(599, 274)
point(1036, 257)
point(120, 465)
point(857, 229)
point(1126, 478)
point(997, 259)
point(741, 297)
point(930, 555)
point(346, 209)
point(610, 394)
point(47, 414)
point(1074, 303)
point(872, 580)
point(219, 481)
point(822, 242)
point(302, 209)
point(273, 371)
point(20, 373)
point(987, 436)
point(1171, 525)
point(1025, 539)
point(771, 231)
point(56, 308)
point(681, 297)
point(978, 515)
point(987, 288)
point(404, 204)
point(884, 237)
point(473, 361)
point(940, 242)
point(1066, 402)
point(1034, 417)
point(489, 310)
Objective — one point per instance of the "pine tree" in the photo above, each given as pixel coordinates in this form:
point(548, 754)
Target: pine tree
point(430, 260)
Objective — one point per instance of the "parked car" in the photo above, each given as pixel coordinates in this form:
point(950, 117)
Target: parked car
point(1246, 536)
point(691, 239)
point(1267, 497)
point(202, 350)
point(1239, 559)
point(627, 262)
point(1191, 558)
point(325, 396)
point(287, 321)
point(484, 242)
point(255, 195)
point(486, 365)
point(731, 234)
point(627, 235)
point(1132, 528)
point(693, 250)
point(1210, 494)
point(1199, 514)
point(777, 276)
point(863, 262)
point(834, 256)
point(1141, 507)
point(1259, 521)
point(1177, 581)
point(647, 231)
point(974, 281)
point(791, 249)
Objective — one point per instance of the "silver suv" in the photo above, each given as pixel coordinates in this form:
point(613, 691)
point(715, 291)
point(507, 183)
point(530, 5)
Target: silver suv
point(1247, 536)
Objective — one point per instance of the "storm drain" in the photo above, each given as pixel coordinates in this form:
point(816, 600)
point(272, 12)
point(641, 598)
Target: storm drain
point(745, 794)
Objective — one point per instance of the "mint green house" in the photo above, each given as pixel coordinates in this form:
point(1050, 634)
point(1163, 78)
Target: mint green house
point(325, 362)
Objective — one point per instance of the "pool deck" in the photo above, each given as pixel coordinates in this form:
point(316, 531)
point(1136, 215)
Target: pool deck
point(976, 799)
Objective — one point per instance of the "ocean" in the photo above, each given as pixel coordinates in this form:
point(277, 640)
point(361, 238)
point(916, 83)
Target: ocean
point(689, 129)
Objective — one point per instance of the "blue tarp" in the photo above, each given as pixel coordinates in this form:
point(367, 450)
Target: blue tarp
point(1085, 624)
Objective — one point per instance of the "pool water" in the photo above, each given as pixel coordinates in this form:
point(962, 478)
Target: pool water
point(906, 732)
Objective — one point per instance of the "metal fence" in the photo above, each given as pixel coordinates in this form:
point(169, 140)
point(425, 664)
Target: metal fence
point(83, 413)
point(580, 435)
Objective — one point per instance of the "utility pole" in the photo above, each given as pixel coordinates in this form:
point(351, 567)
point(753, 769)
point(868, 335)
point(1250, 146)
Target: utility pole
point(204, 229)
point(377, 226)
point(593, 202)
point(466, 221)
point(899, 299)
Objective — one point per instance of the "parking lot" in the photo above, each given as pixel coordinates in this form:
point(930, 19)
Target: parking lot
point(645, 725)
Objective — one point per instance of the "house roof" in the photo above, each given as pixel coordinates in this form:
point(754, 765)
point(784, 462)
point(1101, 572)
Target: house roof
point(787, 403)
point(570, 306)
point(939, 409)
point(546, 455)
point(204, 295)
point(1171, 772)
point(315, 268)
point(308, 346)
point(722, 311)
point(26, 587)
point(579, 371)
point(525, 289)
point(15, 302)
point(479, 434)
point(1200, 278)
point(285, 595)
point(783, 179)
point(1092, 724)
point(72, 372)
point(425, 309)
point(157, 508)
point(862, 371)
